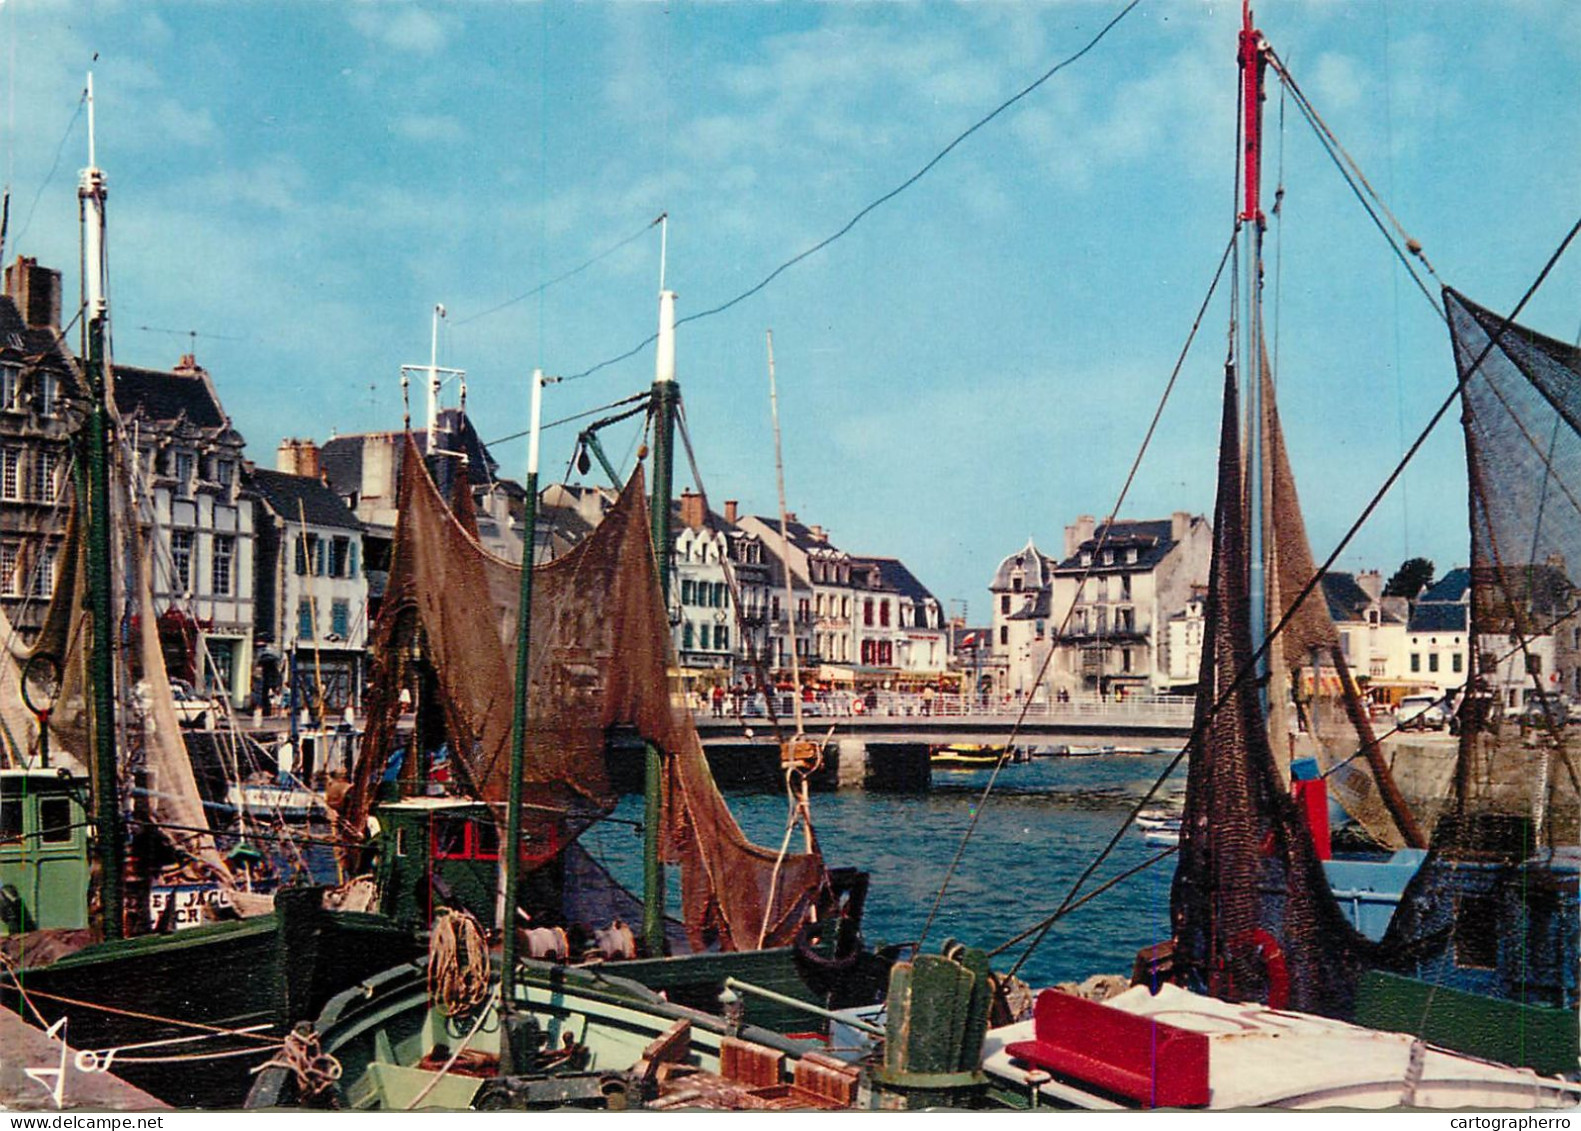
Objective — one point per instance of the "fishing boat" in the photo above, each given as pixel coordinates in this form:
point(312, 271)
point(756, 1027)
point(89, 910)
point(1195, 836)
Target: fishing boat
point(971, 756)
point(1267, 994)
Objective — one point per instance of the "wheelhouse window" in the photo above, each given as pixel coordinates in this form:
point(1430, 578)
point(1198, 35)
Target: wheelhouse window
point(54, 820)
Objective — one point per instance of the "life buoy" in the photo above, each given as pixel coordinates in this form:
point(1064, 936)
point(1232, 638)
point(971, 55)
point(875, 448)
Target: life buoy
point(847, 946)
point(1266, 947)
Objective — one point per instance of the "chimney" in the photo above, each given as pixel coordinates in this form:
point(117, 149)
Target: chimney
point(693, 511)
point(1371, 582)
point(730, 511)
point(1078, 532)
point(298, 457)
point(188, 366)
point(819, 534)
point(1179, 524)
point(790, 517)
point(36, 292)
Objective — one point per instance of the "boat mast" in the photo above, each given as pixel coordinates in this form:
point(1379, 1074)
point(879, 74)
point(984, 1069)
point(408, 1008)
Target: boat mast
point(513, 815)
point(1253, 59)
point(666, 398)
point(91, 194)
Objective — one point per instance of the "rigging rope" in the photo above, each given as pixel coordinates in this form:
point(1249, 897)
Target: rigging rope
point(1081, 583)
point(879, 202)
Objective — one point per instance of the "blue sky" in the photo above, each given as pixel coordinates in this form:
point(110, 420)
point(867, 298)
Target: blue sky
point(971, 365)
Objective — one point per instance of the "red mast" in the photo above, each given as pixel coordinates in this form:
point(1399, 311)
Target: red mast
point(1253, 61)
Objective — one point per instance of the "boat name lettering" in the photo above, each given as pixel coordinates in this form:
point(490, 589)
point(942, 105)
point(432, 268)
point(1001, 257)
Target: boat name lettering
point(190, 903)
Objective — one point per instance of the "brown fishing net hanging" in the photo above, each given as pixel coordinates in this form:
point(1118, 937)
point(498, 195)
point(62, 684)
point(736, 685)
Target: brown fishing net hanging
point(600, 661)
point(1253, 916)
point(1313, 694)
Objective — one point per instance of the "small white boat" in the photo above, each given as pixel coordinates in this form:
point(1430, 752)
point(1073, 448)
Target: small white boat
point(270, 802)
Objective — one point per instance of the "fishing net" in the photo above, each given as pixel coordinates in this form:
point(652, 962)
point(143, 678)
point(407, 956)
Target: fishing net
point(1253, 915)
point(1521, 395)
point(1314, 698)
point(600, 662)
point(1491, 899)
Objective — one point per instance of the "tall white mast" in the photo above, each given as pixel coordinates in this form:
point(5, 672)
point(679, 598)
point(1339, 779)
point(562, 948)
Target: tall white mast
point(433, 381)
point(91, 192)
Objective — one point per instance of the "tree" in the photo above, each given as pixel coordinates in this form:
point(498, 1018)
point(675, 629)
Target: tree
point(1414, 575)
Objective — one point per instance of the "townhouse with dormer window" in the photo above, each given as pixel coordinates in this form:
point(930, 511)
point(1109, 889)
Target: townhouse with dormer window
point(189, 466)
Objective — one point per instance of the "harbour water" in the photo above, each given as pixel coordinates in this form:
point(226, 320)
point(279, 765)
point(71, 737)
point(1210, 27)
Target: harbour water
point(1045, 822)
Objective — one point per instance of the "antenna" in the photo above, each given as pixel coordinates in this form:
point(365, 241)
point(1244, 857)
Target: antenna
point(664, 244)
point(434, 376)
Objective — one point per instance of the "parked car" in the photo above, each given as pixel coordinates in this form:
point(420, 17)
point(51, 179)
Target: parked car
point(1422, 712)
point(1541, 707)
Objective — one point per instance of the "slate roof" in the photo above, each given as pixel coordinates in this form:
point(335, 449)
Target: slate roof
point(298, 497)
point(31, 341)
point(1449, 588)
point(165, 396)
point(895, 577)
point(1346, 599)
point(1151, 538)
point(1036, 565)
point(1438, 616)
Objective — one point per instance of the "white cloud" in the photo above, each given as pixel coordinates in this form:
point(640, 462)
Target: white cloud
point(428, 127)
point(401, 27)
point(1338, 81)
point(173, 122)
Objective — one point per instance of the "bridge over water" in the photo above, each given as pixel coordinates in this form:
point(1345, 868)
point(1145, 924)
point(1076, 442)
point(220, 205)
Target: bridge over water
point(888, 749)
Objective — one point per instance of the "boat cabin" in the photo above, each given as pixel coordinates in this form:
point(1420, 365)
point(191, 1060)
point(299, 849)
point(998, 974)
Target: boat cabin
point(43, 850)
point(434, 852)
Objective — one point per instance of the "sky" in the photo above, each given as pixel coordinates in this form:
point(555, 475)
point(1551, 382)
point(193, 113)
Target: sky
point(971, 365)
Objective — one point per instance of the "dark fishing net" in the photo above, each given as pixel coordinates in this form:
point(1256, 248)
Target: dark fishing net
point(1521, 396)
point(1516, 786)
point(600, 663)
point(1253, 915)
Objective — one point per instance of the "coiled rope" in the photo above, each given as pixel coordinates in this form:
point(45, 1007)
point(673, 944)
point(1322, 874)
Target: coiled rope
point(458, 963)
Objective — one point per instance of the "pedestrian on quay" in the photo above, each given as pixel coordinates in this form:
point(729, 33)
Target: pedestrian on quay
point(719, 700)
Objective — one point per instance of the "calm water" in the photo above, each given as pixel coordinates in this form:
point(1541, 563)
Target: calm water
point(1045, 823)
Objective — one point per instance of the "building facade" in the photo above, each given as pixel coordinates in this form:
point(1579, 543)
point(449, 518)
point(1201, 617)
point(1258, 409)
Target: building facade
point(41, 401)
point(311, 593)
point(189, 462)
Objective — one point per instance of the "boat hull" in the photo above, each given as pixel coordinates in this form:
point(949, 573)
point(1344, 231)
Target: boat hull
point(257, 975)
